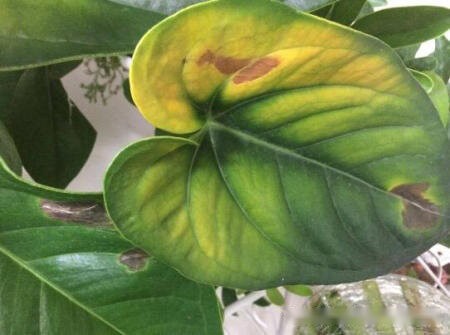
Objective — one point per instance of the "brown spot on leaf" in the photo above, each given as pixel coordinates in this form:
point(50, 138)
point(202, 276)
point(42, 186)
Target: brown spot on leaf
point(418, 212)
point(226, 65)
point(134, 259)
point(87, 213)
point(256, 70)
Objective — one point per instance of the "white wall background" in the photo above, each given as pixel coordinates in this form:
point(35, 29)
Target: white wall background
point(119, 123)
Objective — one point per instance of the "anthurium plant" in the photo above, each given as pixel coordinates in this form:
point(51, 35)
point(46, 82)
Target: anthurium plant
point(298, 142)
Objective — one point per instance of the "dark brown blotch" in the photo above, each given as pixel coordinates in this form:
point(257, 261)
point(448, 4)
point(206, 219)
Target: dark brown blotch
point(256, 70)
point(418, 212)
point(91, 214)
point(225, 65)
point(134, 259)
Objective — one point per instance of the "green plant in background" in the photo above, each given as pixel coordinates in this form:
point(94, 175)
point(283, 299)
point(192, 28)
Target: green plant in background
point(303, 151)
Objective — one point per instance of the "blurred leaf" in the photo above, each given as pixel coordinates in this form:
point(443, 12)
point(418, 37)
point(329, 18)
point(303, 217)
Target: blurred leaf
point(275, 297)
point(365, 10)
point(53, 138)
point(228, 296)
point(377, 3)
point(126, 91)
point(422, 64)
point(64, 270)
point(442, 54)
point(405, 25)
point(439, 96)
point(302, 290)
point(9, 152)
point(62, 69)
point(408, 52)
point(161, 6)
point(436, 90)
point(346, 11)
point(309, 5)
point(35, 33)
point(424, 80)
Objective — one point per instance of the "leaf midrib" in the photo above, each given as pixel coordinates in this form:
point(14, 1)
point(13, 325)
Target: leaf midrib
point(277, 148)
point(24, 266)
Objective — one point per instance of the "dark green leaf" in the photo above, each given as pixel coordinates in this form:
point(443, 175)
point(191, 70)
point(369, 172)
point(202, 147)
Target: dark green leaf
point(64, 270)
point(34, 33)
point(366, 10)
point(422, 64)
point(406, 25)
point(53, 138)
point(408, 52)
point(262, 302)
point(228, 296)
point(60, 70)
point(8, 151)
point(346, 11)
point(442, 54)
point(126, 91)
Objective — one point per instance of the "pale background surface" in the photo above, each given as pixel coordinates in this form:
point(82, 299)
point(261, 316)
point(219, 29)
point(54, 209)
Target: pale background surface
point(119, 123)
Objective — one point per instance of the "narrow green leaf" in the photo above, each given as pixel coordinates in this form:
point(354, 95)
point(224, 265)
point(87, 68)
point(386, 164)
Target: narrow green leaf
point(64, 270)
point(35, 33)
point(424, 80)
point(302, 290)
point(52, 136)
point(126, 91)
point(422, 64)
point(346, 11)
point(405, 25)
point(439, 96)
point(408, 52)
point(8, 151)
point(442, 54)
point(228, 296)
point(275, 297)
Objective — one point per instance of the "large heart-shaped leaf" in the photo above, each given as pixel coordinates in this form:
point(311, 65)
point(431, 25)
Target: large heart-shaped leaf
point(317, 158)
point(52, 136)
point(34, 33)
point(64, 270)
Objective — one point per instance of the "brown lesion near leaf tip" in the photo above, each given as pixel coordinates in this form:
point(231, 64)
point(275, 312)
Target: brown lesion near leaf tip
point(134, 259)
point(226, 65)
point(418, 212)
point(256, 70)
point(90, 214)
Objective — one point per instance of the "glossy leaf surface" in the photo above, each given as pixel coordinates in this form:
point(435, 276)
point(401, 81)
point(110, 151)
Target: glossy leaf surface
point(316, 160)
point(64, 270)
point(52, 136)
point(34, 33)
point(406, 25)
